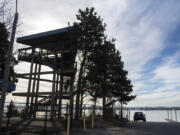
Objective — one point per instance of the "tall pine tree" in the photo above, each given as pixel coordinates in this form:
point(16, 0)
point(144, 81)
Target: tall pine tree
point(4, 44)
point(3, 47)
point(88, 32)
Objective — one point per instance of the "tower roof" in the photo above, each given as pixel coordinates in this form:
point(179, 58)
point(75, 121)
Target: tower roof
point(50, 40)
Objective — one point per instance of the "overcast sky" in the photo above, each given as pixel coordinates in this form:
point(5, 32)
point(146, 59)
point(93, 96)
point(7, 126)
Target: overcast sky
point(147, 34)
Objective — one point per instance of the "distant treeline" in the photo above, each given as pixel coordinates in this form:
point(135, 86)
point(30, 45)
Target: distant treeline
point(152, 108)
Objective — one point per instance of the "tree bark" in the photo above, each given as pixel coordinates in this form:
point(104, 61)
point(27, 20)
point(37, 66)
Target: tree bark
point(121, 110)
point(94, 107)
point(79, 85)
point(81, 105)
point(104, 105)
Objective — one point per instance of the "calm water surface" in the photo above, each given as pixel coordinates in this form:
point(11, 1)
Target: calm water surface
point(157, 115)
point(151, 115)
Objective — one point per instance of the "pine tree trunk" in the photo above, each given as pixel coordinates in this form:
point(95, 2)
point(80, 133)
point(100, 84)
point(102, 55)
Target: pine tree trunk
point(79, 85)
point(81, 104)
point(94, 107)
point(104, 105)
point(121, 110)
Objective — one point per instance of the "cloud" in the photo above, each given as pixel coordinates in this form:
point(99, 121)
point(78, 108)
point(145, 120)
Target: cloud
point(44, 15)
point(157, 99)
point(168, 73)
point(140, 27)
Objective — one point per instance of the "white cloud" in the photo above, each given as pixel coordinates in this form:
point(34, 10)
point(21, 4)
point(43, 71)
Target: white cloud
point(157, 99)
point(168, 72)
point(168, 92)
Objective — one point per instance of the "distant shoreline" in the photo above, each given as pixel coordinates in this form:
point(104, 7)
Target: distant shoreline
point(88, 107)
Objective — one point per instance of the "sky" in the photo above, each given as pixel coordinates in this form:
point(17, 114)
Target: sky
point(147, 34)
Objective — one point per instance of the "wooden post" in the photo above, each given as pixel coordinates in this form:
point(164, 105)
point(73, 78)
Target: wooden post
point(9, 113)
point(61, 86)
point(93, 120)
point(67, 106)
point(60, 95)
point(129, 114)
point(53, 88)
point(71, 98)
point(30, 80)
point(57, 84)
point(68, 124)
point(52, 95)
point(37, 90)
point(33, 89)
point(168, 113)
point(45, 121)
point(84, 122)
point(176, 115)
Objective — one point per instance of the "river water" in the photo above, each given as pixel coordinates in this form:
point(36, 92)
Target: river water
point(157, 115)
point(151, 115)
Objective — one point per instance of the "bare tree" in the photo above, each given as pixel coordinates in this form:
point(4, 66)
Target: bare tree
point(7, 10)
point(6, 14)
